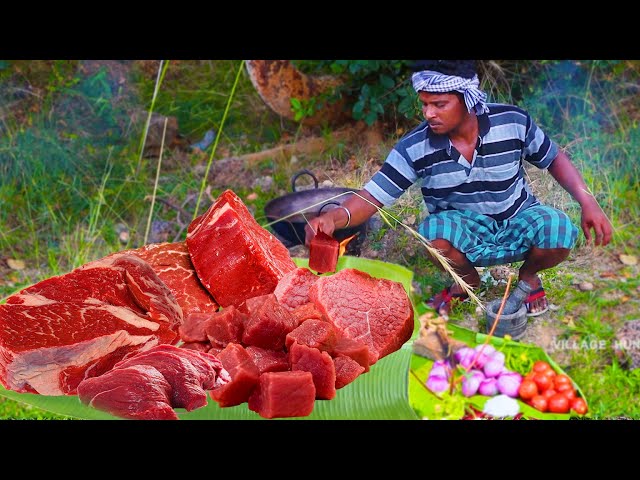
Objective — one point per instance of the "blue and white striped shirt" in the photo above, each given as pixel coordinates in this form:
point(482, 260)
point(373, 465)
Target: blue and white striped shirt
point(493, 184)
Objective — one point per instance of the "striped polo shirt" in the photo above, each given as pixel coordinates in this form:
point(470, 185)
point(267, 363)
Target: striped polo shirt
point(492, 184)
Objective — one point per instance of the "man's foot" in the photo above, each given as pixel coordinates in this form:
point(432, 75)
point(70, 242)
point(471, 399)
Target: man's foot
point(441, 302)
point(536, 301)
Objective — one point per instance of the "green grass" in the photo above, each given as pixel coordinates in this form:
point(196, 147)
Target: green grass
point(10, 410)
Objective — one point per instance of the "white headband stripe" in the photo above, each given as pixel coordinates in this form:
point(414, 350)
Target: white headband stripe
point(434, 82)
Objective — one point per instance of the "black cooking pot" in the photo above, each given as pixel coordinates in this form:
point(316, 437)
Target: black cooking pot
point(309, 204)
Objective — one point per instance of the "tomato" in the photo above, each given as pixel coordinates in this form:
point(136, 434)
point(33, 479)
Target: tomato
point(549, 393)
point(569, 393)
point(550, 373)
point(543, 381)
point(561, 380)
point(539, 403)
point(530, 375)
point(563, 387)
point(558, 403)
point(579, 406)
point(541, 366)
point(528, 389)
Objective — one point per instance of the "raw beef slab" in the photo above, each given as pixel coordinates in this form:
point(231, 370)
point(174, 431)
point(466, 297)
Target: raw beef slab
point(234, 257)
point(77, 325)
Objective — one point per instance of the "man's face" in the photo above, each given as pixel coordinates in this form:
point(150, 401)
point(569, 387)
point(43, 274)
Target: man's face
point(443, 111)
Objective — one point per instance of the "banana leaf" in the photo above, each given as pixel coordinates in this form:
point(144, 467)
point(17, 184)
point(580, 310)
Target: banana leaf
point(429, 406)
point(380, 394)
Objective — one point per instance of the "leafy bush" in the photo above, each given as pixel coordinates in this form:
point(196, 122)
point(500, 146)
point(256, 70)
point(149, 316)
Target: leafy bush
point(376, 88)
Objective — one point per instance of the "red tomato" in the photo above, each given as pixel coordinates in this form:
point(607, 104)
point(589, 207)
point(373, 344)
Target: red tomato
point(550, 373)
point(541, 366)
point(558, 403)
point(563, 387)
point(528, 389)
point(579, 405)
point(549, 393)
point(561, 380)
point(569, 393)
point(539, 403)
point(543, 381)
point(530, 375)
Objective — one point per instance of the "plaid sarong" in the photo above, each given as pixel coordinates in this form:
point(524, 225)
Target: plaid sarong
point(486, 242)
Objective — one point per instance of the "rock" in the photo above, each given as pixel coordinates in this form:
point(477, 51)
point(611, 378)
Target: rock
point(160, 231)
point(124, 237)
point(627, 344)
point(586, 286)
point(264, 183)
point(153, 141)
point(500, 272)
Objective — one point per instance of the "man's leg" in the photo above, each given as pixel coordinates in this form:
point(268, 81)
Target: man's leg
point(456, 233)
point(460, 265)
point(539, 259)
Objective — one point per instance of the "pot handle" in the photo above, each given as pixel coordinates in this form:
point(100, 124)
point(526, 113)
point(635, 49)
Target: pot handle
point(333, 202)
point(300, 173)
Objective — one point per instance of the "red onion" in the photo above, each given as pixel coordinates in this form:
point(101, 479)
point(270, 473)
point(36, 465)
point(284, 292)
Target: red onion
point(508, 383)
point(494, 366)
point(483, 353)
point(488, 387)
point(471, 382)
point(437, 384)
point(465, 356)
point(440, 368)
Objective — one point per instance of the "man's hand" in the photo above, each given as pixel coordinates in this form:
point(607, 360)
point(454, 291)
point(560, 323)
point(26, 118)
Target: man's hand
point(324, 222)
point(361, 208)
point(594, 218)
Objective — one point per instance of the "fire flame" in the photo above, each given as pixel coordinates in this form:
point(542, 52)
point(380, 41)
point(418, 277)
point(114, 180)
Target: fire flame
point(344, 243)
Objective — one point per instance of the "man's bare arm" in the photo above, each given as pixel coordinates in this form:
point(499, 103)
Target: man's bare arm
point(569, 178)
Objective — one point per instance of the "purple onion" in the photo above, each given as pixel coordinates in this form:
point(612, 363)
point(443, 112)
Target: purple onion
point(493, 367)
point(484, 353)
point(440, 368)
point(487, 349)
point(508, 383)
point(470, 386)
point(498, 355)
point(437, 384)
point(465, 357)
point(488, 387)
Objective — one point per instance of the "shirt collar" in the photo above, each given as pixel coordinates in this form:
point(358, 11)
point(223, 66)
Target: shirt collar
point(441, 142)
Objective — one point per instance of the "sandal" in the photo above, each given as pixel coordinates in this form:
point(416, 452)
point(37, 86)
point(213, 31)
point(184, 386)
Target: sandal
point(447, 298)
point(535, 295)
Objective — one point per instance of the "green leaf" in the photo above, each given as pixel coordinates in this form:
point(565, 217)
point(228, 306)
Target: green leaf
point(381, 393)
point(370, 118)
point(387, 81)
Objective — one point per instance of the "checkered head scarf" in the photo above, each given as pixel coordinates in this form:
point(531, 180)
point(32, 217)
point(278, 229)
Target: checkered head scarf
point(435, 82)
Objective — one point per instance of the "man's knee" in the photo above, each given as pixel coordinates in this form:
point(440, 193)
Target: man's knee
point(444, 246)
point(441, 244)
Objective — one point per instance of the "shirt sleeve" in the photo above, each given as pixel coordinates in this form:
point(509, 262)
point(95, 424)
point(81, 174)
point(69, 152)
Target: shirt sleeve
point(539, 149)
point(394, 177)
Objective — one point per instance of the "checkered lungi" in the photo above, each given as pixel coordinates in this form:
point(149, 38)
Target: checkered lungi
point(487, 242)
